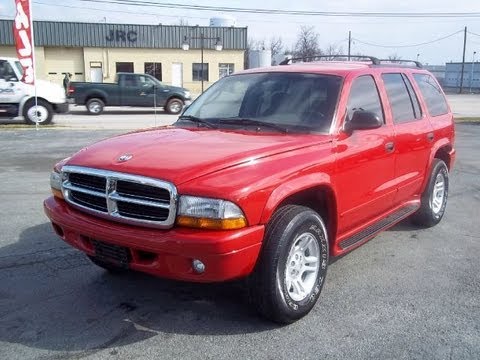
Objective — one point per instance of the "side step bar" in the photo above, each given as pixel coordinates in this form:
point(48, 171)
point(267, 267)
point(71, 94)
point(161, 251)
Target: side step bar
point(380, 225)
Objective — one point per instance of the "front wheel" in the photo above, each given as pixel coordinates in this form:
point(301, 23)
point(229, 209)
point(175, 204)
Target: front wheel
point(174, 106)
point(434, 198)
point(291, 270)
point(40, 113)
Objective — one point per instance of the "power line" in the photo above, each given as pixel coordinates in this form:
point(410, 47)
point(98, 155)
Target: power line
point(472, 33)
point(406, 46)
point(290, 12)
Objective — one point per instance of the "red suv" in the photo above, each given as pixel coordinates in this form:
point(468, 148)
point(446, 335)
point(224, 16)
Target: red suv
point(267, 175)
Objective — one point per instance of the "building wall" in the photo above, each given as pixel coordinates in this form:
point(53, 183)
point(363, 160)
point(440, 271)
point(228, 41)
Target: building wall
point(53, 62)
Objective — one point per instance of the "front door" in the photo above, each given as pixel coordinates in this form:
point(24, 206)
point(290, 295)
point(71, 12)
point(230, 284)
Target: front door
point(177, 74)
point(365, 161)
point(12, 90)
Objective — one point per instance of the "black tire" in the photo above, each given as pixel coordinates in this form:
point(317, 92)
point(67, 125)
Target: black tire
point(174, 106)
point(430, 213)
point(268, 284)
point(110, 267)
point(44, 110)
point(95, 106)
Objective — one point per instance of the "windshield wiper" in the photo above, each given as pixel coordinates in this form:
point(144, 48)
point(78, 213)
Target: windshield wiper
point(247, 121)
point(198, 121)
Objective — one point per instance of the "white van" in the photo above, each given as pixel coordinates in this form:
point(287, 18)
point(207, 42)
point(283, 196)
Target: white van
point(18, 99)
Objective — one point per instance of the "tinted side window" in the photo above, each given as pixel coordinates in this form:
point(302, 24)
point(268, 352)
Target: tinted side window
point(413, 97)
point(436, 103)
point(364, 96)
point(400, 98)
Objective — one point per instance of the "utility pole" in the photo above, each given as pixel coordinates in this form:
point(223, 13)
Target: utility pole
point(463, 59)
point(349, 43)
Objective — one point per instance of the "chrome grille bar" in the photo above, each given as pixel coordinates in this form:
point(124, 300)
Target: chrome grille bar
point(139, 203)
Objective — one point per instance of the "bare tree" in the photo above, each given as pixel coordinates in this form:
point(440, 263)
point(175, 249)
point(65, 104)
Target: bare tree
point(276, 45)
point(394, 57)
point(252, 44)
point(332, 51)
point(307, 42)
point(182, 22)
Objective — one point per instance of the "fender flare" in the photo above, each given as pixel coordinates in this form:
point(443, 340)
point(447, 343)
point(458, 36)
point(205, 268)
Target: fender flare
point(24, 100)
point(438, 145)
point(291, 187)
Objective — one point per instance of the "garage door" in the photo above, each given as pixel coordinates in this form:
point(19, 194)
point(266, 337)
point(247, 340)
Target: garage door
point(59, 61)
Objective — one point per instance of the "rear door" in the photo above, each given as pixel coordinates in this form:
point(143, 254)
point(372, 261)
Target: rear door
point(365, 161)
point(413, 135)
point(131, 89)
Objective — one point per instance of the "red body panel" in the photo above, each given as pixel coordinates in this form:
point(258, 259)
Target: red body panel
point(257, 171)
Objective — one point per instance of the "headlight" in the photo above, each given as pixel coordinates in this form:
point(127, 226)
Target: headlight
point(56, 183)
point(187, 95)
point(208, 213)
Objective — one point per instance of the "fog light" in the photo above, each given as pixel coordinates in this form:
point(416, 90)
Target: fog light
point(198, 266)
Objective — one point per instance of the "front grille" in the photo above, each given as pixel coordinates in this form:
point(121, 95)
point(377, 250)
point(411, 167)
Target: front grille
point(120, 197)
point(91, 201)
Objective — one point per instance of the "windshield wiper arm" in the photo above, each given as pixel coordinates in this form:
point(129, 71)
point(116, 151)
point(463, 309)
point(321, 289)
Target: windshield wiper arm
point(247, 121)
point(198, 121)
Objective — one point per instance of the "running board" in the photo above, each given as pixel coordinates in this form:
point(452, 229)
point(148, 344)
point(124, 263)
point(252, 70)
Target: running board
point(378, 226)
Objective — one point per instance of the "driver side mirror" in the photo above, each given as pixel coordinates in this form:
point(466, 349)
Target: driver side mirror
point(362, 120)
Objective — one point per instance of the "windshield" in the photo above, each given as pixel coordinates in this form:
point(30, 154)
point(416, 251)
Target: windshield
point(291, 100)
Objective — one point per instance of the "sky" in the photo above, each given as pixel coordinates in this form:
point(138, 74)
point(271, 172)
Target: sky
point(393, 35)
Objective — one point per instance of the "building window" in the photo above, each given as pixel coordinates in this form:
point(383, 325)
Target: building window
point(154, 69)
point(225, 69)
point(124, 67)
point(197, 72)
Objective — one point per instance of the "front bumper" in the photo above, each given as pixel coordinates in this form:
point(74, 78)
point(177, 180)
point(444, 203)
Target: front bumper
point(61, 108)
point(226, 254)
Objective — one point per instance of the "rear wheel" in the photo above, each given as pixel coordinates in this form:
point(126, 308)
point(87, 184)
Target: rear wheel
point(434, 198)
point(291, 270)
point(95, 106)
point(174, 106)
point(41, 112)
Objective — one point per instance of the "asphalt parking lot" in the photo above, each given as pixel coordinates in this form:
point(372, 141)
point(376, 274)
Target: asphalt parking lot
point(407, 294)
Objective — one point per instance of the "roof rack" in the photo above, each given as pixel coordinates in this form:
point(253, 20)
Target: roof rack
point(288, 61)
point(418, 64)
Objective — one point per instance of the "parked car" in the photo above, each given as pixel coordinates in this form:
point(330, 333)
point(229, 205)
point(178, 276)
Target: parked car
point(18, 99)
point(266, 176)
point(129, 89)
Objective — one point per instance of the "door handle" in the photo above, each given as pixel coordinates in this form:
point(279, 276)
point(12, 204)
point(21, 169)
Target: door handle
point(390, 146)
point(430, 136)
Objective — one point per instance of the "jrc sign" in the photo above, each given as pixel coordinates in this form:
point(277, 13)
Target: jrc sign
point(23, 33)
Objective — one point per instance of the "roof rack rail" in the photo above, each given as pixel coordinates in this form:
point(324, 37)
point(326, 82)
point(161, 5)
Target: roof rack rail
point(288, 61)
point(418, 64)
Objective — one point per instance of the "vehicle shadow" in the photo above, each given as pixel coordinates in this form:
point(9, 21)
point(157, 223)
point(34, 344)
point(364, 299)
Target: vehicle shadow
point(52, 297)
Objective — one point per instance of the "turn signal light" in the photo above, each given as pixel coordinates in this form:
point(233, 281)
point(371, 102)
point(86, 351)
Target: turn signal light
point(214, 224)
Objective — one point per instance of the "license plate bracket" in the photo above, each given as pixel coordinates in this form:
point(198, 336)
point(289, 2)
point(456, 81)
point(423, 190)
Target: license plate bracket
point(114, 254)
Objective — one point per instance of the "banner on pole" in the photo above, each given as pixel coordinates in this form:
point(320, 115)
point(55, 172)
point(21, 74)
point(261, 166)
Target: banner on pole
point(23, 34)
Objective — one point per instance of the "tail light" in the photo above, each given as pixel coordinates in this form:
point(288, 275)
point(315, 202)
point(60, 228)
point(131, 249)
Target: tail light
point(70, 90)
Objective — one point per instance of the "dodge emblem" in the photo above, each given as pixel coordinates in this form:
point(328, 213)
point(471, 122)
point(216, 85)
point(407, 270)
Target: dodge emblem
point(125, 157)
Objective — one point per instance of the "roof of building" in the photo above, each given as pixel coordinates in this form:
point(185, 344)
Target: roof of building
point(75, 34)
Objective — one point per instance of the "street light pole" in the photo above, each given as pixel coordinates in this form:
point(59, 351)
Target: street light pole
point(202, 38)
point(471, 75)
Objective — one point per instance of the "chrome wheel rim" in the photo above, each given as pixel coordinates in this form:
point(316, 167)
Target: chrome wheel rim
point(175, 107)
point(38, 114)
point(303, 264)
point(438, 194)
point(94, 107)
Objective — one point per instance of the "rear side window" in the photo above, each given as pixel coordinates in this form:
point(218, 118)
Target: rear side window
point(402, 98)
point(432, 93)
point(364, 96)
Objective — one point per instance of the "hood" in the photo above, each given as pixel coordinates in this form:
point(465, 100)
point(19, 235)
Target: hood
point(179, 155)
